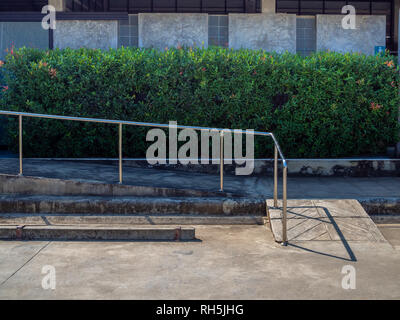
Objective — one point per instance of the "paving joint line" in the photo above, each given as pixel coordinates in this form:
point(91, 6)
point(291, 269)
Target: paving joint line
point(30, 259)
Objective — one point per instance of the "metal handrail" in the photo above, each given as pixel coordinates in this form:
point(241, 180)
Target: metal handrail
point(277, 150)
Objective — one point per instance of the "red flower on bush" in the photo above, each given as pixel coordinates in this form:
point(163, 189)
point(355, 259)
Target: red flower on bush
point(11, 49)
point(390, 63)
point(375, 106)
point(1, 63)
point(203, 69)
point(42, 64)
point(5, 88)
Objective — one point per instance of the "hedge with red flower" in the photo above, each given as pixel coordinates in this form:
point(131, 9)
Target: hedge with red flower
point(324, 105)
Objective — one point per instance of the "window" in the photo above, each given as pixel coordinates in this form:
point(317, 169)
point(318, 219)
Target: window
point(334, 7)
point(128, 32)
point(218, 27)
point(22, 5)
point(363, 7)
point(305, 35)
point(137, 6)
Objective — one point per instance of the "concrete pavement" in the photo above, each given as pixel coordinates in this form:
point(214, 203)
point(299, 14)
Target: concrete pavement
point(230, 262)
point(227, 262)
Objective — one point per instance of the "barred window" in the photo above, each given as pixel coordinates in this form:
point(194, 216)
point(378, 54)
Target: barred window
point(193, 6)
point(22, 5)
point(363, 7)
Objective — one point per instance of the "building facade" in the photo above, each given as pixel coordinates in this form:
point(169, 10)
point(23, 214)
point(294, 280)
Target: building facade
point(297, 26)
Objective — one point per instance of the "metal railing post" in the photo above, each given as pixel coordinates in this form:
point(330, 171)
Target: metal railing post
point(120, 153)
point(276, 177)
point(20, 144)
point(284, 207)
point(221, 164)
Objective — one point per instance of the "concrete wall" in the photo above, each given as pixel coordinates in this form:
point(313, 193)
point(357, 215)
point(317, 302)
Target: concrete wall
point(268, 6)
point(58, 4)
point(160, 30)
point(29, 34)
point(272, 32)
point(99, 34)
point(370, 32)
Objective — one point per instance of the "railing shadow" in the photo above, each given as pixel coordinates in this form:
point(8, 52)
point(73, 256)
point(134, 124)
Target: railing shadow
point(332, 221)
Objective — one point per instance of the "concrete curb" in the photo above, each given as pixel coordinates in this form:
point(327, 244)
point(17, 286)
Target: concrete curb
point(126, 220)
point(131, 205)
point(85, 233)
point(351, 167)
point(13, 184)
point(381, 206)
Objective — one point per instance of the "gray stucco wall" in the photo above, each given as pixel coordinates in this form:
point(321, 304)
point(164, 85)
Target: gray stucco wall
point(160, 30)
point(271, 32)
point(370, 32)
point(96, 34)
point(29, 34)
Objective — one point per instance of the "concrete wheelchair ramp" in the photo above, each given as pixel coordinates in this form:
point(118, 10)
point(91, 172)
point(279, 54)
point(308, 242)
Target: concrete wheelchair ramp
point(324, 220)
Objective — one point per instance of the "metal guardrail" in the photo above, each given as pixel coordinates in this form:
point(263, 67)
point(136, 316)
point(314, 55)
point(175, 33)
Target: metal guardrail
point(120, 123)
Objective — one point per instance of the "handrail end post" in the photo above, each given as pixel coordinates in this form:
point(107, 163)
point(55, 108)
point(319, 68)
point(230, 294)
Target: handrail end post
point(221, 160)
point(20, 144)
point(284, 206)
point(120, 153)
point(275, 177)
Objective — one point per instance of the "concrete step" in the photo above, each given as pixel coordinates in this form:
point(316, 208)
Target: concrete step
point(125, 219)
point(96, 232)
point(132, 205)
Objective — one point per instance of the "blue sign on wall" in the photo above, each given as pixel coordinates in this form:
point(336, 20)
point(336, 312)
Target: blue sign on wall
point(379, 49)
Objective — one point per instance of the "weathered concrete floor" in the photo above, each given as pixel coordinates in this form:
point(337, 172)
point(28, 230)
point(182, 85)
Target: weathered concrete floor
point(230, 262)
point(391, 232)
point(298, 187)
point(324, 220)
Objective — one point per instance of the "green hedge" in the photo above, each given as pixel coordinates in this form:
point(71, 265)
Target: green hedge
point(325, 105)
